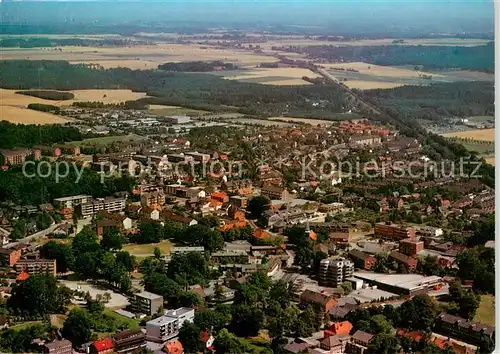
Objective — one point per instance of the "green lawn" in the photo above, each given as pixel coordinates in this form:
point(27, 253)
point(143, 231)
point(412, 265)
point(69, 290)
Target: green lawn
point(24, 325)
point(148, 248)
point(131, 323)
point(480, 118)
point(486, 311)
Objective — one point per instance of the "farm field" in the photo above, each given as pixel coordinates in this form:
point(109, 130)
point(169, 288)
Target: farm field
point(275, 76)
point(379, 70)
point(264, 122)
point(145, 54)
point(22, 115)
point(369, 85)
point(479, 134)
point(486, 311)
point(11, 98)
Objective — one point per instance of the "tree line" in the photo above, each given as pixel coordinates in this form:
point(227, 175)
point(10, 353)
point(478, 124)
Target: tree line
point(21, 135)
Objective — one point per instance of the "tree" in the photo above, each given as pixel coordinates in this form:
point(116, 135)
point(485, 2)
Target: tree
point(85, 241)
point(189, 299)
point(247, 321)
point(257, 206)
point(157, 253)
point(418, 313)
point(380, 324)
point(161, 284)
point(306, 323)
point(346, 287)
point(148, 233)
point(63, 254)
point(127, 260)
point(468, 305)
point(214, 319)
point(226, 342)
point(43, 221)
point(189, 336)
point(384, 344)
point(188, 269)
point(111, 239)
point(39, 295)
point(78, 327)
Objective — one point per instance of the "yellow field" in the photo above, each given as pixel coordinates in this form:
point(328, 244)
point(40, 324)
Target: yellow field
point(147, 249)
point(482, 134)
point(10, 98)
point(284, 76)
point(368, 85)
point(136, 57)
point(21, 115)
point(486, 311)
point(378, 70)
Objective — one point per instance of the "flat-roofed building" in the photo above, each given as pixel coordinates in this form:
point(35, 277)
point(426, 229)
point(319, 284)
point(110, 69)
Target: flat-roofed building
point(178, 119)
point(167, 327)
point(71, 202)
point(58, 347)
point(36, 266)
point(128, 341)
point(111, 205)
point(146, 302)
point(394, 231)
point(199, 157)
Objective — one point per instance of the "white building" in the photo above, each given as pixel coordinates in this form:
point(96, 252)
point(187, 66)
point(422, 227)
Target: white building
point(166, 327)
point(431, 231)
point(178, 119)
point(334, 271)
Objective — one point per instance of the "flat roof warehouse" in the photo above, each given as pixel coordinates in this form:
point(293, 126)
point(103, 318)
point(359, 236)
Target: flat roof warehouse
point(408, 284)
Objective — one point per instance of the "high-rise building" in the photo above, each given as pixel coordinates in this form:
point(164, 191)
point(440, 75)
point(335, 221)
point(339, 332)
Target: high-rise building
point(334, 271)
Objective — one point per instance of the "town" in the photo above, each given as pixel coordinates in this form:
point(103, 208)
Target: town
point(297, 238)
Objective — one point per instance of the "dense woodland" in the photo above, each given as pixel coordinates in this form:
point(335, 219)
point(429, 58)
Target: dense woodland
point(20, 135)
point(48, 95)
point(44, 107)
point(479, 58)
point(458, 99)
point(196, 66)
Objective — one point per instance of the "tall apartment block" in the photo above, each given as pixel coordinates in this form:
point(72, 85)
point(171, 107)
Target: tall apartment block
point(334, 271)
point(111, 205)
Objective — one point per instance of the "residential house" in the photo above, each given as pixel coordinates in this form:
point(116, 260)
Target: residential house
point(461, 328)
point(359, 342)
point(58, 347)
point(102, 346)
point(169, 215)
point(326, 301)
point(296, 348)
point(273, 192)
point(361, 259)
point(339, 328)
point(153, 199)
point(173, 347)
point(410, 247)
point(241, 187)
point(128, 341)
point(10, 256)
point(408, 263)
point(15, 156)
point(339, 238)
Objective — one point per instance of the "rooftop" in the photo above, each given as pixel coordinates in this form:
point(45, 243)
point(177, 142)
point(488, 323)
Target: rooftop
point(405, 281)
point(148, 295)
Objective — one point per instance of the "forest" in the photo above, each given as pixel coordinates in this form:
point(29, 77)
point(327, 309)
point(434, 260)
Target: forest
point(458, 99)
point(196, 66)
point(20, 135)
point(479, 58)
point(44, 107)
point(48, 95)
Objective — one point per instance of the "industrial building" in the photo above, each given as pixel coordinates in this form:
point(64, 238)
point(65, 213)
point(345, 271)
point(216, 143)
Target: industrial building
point(403, 284)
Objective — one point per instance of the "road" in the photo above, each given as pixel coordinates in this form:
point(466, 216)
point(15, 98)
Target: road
point(29, 238)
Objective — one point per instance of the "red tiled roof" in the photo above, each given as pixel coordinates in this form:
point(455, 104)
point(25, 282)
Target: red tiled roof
point(22, 276)
point(174, 347)
point(103, 344)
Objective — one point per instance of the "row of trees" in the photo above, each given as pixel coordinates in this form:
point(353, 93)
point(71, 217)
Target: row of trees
point(20, 135)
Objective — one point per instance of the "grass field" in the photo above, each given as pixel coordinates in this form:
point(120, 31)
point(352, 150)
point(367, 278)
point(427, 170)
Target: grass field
point(275, 76)
point(106, 140)
point(478, 134)
point(24, 325)
point(147, 249)
point(486, 311)
point(311, 121)
point(379, 70)
point(481, 118)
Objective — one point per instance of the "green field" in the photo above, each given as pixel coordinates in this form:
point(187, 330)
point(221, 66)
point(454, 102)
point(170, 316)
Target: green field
point(24, 325)
point(486, 311)
point(479, 148)
point(147, 249)
point(481, 118)
point(106, 140)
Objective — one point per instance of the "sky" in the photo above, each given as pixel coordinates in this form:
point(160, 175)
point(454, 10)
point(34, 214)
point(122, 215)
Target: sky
point(366, 15)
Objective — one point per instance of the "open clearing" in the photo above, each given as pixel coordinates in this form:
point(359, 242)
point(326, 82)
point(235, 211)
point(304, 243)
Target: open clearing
point(106, 140)
point(486, 311)
point(147, 249)
point(20, 115)
point(480, 134)
point(160, 111)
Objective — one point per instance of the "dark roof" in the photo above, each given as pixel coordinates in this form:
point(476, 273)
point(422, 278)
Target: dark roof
point(462, 322)
point(295, 347)
point(313, 296)
point(166, 214)
point(58, 344)
point(398, 256)
point(359, 254)
point(362, 336)
point(331, 341)
point(117, 337)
